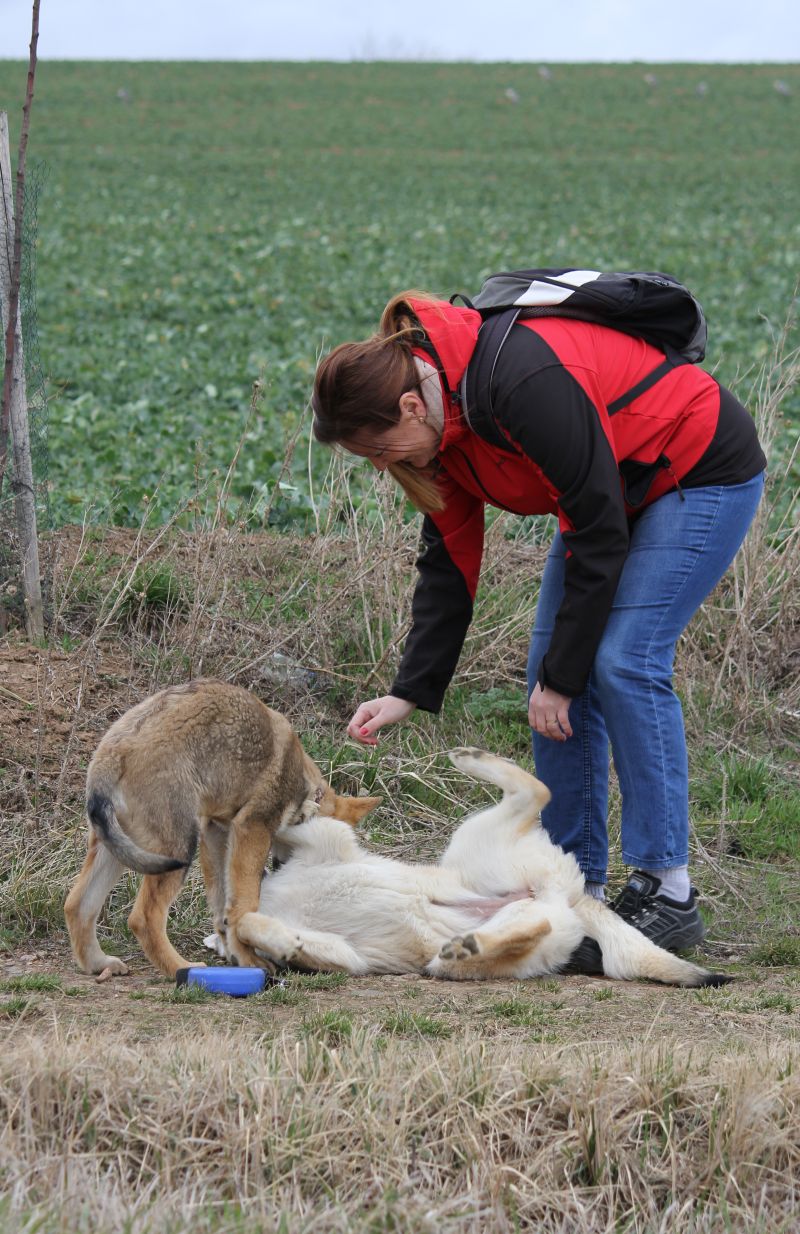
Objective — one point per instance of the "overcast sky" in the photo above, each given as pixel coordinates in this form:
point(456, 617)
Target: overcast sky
point(536, 30)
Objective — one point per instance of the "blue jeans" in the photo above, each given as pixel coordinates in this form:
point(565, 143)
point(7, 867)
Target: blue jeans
point(679, 550)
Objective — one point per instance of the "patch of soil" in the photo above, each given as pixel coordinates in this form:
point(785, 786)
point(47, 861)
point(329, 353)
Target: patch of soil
point(54, 708)
point(757, 1011)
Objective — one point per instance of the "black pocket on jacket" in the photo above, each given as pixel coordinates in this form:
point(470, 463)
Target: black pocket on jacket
point(637, 478)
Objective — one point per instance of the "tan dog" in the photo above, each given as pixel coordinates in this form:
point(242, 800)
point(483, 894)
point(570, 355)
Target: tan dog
point(503, 901)
point(205, 762)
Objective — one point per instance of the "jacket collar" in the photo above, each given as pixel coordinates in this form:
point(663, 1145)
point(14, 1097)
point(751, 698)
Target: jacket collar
point(450, 336)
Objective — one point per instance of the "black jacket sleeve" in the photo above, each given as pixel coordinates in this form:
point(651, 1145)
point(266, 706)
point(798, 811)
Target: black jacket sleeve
point(441, 610)
point(557, 422)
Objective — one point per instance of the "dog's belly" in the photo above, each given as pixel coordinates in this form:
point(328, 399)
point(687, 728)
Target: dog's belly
point(481, 908)
point(398, 929)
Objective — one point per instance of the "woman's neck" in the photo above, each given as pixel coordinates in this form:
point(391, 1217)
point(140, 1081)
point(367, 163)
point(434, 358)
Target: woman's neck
point(431, 391)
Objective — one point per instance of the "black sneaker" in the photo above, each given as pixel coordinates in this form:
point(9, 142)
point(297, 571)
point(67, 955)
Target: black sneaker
point(587, 959)
point(668, 923)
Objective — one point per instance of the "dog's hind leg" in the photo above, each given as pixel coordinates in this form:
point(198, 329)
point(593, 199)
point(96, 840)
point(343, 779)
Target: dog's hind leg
point(313, 949)
point(510, 945)
point(148, 919)
point(213, 857)
point(502, 772)
point(483, 945)
point(482, 848)
point(99, 873)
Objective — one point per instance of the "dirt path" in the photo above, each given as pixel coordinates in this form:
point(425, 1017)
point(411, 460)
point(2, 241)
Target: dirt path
point(757, 1012)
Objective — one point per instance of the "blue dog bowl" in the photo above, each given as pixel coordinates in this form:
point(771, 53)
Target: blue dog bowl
point(237, 982)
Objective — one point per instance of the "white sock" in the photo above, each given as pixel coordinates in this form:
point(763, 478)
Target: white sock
point(596, 890)
point(675, 884)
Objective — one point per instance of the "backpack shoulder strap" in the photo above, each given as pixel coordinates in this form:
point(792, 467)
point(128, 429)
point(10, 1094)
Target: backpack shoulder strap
point(478, 402)
point(672, 359)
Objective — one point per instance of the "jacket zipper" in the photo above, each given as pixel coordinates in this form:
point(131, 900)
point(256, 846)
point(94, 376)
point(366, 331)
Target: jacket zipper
point(492, 500)
point(667, 465)
point(662, 463)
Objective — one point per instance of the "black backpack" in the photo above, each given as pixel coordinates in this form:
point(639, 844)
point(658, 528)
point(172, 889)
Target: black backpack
point(653, 307)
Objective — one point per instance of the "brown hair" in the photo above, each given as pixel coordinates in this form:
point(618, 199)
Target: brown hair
point(358, 386)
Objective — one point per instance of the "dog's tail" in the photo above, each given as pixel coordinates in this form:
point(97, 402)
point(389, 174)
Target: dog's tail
point(103, 818)
point(629, 955)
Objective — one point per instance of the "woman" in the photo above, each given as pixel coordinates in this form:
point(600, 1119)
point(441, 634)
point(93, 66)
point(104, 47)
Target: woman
point(652, 501)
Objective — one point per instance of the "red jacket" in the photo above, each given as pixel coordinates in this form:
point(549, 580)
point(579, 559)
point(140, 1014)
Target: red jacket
point(554, 381)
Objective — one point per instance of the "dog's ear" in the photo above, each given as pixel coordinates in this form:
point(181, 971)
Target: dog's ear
point(353, 809)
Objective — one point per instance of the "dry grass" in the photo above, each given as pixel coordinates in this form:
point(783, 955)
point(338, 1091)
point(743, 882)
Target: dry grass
point(375, 1134)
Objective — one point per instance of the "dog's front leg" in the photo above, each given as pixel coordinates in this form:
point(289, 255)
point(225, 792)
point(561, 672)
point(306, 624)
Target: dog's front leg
point(305, 948)
point(247, 851)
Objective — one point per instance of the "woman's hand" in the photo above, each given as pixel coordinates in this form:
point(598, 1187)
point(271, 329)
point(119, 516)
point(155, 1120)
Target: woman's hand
point(548, 713)
point(373, 715)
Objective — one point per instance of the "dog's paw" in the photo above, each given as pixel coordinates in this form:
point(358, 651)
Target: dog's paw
point(464, 757)
point(216, 943)
point(112, 965)
point(715, 980)
point(465, 947)
point(250, 957)
point(241, 955)
point(262, 961)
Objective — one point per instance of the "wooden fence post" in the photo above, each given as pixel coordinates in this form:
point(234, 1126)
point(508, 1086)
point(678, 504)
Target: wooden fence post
point(24, 491)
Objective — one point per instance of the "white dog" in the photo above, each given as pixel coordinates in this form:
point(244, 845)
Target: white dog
point(503, 901)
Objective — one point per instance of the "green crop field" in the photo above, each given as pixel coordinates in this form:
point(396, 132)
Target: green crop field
point(203, 227)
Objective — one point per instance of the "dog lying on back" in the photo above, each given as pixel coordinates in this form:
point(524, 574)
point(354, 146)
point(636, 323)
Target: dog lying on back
point(503, 900)
point(205, 763)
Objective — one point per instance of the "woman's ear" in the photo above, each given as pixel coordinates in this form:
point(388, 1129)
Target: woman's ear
point(412, 405)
